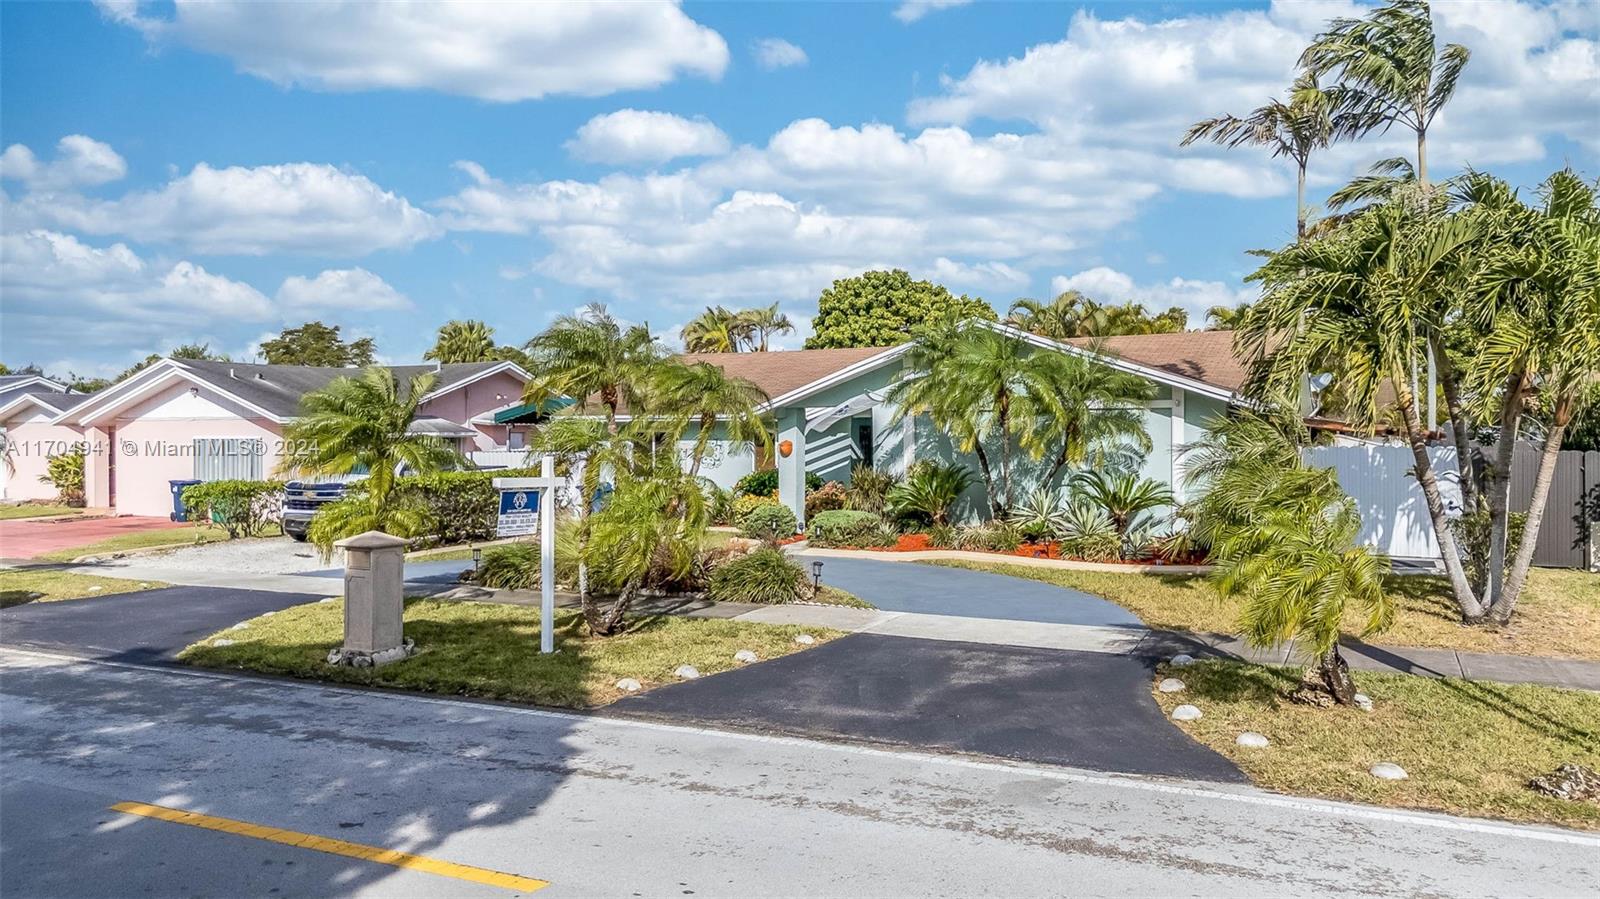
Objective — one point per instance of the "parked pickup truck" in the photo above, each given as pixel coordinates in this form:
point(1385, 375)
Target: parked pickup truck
point(302, 499)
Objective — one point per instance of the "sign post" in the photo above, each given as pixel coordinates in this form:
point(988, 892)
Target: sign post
point(528, 505)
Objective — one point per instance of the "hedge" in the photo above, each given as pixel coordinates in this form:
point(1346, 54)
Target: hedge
point(464, 505)
point(845, 527)
point(242, 508)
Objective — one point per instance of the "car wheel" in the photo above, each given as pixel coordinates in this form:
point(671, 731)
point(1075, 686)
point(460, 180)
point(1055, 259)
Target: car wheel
point(298, 538)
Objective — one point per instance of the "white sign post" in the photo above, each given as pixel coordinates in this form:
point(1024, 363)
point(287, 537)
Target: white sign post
point(537, 503)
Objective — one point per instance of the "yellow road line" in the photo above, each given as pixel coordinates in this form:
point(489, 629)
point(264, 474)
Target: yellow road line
point(334, 847)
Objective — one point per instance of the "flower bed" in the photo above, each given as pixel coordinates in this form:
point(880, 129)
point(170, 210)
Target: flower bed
point(911, 543)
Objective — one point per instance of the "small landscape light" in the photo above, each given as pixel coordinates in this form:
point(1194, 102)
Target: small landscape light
point(816, 578)
point(477, 556)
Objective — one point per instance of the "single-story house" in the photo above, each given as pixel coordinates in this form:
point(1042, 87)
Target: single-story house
point(28, 403)
point(187, 419)
point(831, 415)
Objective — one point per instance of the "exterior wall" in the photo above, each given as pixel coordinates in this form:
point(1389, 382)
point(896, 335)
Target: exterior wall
point(153, 443)
point(725, 463)
point(475, 399)
point(30, 440)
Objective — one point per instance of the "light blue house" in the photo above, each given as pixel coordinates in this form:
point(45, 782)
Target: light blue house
point(831, 414)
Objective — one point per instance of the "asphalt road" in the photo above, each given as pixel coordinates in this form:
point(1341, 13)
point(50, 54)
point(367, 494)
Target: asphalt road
point(1085, 709)
point(600, 806)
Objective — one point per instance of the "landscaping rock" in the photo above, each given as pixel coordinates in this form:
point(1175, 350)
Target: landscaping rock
point(329, 599)
point(1363, 702)
point(353, 658)
point(805, 639)
point(221, 642)
point(628, 685)
point(687, 672)
point(1569, 781)
point(144, 585)
point(1252, 740)
point(1170, 685)
point(1182, 660)
point(1186, 713)
point(96, 589)
point(1388, 771)
point(239, 627)
point(745, 655)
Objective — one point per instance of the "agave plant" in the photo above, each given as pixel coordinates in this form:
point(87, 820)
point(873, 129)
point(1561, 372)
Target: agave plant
point(1040, 515)
point(1087, 533)
point(1123, 496)
point(929, 490)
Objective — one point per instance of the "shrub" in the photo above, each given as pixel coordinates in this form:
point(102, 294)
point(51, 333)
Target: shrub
point(516, 565)
point(1123, 496)
point(64, 471)
point(1040, 515)
point(1472, 534)
point(242, 508)
point(994, 536)
point(869, 489)
point(764, 576)
point(463, 506)
point(827, 498)
point(770, 523)
point(928, 492)
point(1087, 533)
point(765, 483)
point(844, 527)
point(744, 505)
point(942, 536)
point(719, 502)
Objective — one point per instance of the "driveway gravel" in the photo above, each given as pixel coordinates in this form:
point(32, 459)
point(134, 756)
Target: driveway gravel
point(265, 555)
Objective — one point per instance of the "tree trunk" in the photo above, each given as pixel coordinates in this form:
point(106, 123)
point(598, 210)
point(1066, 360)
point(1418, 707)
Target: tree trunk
point(1456, 409)
point(1499, 488)
point(608, 395)
point(1469, 604)
point(1300, 205)
point(1003, 405)
point(707, 422)
point(611, 622)
point(1333, 675)
point(1541, 496)
point(1422, 156)
point(995, 508)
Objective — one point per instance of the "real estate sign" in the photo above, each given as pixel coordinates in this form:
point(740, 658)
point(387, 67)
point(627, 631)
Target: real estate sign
point(519, 513)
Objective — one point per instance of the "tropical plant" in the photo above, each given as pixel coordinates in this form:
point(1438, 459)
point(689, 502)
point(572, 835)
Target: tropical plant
point(1382, 183)
point(764, 575)
point(881, 308)
point(1087, 533)
point(769, 523)
point(869, 489)
point(1225, 318)
point(590, 357)
point(929, 490)
point(1040, 515)
point(64, 471)
point(242, 508)
point(1096, 414)
point(844, 527)
point(1071, 314)
point(762, 322)
point(1123, 495)
point(516, 566)
point(991, 536)
point(650, 527)
point(744, 506)
point(827, 498)
point(719, 502)
point(717, 330)
point(364, 423)
point(1390, 71)
point(1294, 129)
point(714, 404)
point(463, 341)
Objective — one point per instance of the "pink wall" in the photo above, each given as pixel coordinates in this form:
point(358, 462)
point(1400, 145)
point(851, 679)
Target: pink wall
point(477, 398)
point(29, 439)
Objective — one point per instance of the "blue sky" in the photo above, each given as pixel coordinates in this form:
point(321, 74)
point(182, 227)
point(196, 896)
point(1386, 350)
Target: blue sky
point(182, 173)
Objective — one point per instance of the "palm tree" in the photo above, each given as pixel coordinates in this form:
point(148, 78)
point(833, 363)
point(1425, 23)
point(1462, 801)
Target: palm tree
point(364, 423)
point(703, 396)
point(763, 322)
point(1096, 411)
point(1123, 495)
point(591, 356)
point(1058, 319)
point(463, 341)
point(652, 526)
point(1390, 71)
point(1225, 318)
point(716, 330)
point(1295, 129)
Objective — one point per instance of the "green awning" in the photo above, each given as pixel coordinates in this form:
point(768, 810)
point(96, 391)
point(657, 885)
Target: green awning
point(528, 413)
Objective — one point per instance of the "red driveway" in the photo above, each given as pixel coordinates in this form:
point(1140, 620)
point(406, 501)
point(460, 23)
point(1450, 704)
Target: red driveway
point(29, 539)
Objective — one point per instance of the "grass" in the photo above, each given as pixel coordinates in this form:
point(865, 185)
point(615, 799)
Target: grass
point(1468, 747)
point(19, 586)
point(492, 651)
point(833, 596)
point(137, 540)
point(1558, 615)
point(36, 510)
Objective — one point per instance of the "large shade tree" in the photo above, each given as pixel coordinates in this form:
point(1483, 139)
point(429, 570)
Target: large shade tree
point(315, 343)
point(885, 308)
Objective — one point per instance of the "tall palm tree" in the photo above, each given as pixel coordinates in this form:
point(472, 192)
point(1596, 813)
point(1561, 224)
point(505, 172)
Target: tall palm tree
point(1058, 319)
point(463, 341)
point(1225, 318)
point(1391, 71)
point(1096, 412)
point(1294, 129)
point(702, 396)
point(591, 356)
point(763, 322)
point(361, 423)
point(716, 330)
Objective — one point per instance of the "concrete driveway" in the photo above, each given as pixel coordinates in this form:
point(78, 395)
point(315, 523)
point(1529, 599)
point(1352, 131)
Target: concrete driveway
point(31, 539)
point(1084, 709)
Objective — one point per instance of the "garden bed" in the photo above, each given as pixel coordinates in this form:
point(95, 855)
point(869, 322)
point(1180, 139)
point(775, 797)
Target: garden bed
point(491, 651)
point(914, 543)
point(1468, 747)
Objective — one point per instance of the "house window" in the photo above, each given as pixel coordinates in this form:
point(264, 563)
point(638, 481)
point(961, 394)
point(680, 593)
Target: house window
point(228, 458)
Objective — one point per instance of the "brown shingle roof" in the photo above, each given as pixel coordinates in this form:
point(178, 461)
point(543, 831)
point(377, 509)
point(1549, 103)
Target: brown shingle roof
point(1202, 355)
point(780, 371)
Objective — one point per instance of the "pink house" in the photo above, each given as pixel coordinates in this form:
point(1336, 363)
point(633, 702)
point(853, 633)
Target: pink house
point(185, 419)
point(28, 406)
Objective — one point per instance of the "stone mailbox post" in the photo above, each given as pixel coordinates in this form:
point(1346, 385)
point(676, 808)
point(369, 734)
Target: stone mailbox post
point(374, 601)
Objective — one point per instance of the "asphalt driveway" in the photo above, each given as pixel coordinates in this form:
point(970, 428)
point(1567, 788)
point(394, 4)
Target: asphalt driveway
point(1084, 709)
point(147, 626)
point(936, 590)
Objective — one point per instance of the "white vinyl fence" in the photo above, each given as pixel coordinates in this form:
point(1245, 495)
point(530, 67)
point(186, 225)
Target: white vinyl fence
point(1394, 514)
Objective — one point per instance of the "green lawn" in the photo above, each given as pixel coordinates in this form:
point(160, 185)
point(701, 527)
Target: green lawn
point(1559, 614)
point(1469, 747)
point(492, 651)
point(24, 585)
point(36, 510)
point(137, 540)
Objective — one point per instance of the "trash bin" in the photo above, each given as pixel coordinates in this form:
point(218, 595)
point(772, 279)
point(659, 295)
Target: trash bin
point(179, 512)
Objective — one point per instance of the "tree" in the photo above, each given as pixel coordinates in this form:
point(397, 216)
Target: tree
point(591, 356)
point(463, 341)
point(1225, 318)
point(1295, 129)
point(363, 423)
point(1123, 496)
point(1071, 314)
point(315, 343)
point(652, 524)
point(716, 330)
point(1390, 71)
point(703, 396)
point(198, 351)
point(763, 322)
point(1096, 413)
point(885, 308)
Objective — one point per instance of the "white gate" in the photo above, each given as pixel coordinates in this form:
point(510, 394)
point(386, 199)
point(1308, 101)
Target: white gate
point(1394, 513)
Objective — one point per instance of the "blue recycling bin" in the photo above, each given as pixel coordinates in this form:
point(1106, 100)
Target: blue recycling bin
point(179, 511)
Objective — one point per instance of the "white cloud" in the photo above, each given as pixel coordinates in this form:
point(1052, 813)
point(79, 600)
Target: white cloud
point(350, 289)
point(777, 53)
point(295, 208)
point(911, 10)
point(80, 162)
point(492, 51)
point(1107, 285)
point(635, 135)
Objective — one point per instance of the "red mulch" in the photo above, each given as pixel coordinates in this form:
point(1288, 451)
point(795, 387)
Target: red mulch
point(910, 543)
